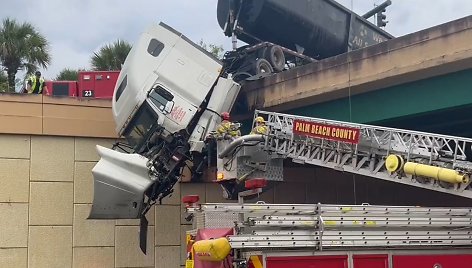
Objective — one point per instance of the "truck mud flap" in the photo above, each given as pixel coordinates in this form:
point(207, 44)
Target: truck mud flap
point(120, 181)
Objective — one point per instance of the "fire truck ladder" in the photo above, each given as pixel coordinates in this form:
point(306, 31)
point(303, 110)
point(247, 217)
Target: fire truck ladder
point(425, 160)
point(325, 227)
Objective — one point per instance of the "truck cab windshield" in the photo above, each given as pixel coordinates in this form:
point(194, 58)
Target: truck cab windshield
point(162, 99)
point(140, 127)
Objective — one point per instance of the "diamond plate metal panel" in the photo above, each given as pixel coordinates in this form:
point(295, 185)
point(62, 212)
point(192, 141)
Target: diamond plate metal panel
point(214, 220)
point(273, 170)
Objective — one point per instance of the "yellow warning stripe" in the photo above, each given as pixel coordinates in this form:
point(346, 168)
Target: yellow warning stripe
point(189, 264)
point(256, 262)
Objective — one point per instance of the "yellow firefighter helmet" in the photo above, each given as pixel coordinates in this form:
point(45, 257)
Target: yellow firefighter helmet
point(260, 119)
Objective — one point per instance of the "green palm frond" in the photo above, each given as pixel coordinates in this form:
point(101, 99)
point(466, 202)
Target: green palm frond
point(111, 56)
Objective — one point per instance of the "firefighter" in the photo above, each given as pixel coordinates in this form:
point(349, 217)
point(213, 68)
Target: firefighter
point(260, 127)
point(227, 129)
point(35, 84)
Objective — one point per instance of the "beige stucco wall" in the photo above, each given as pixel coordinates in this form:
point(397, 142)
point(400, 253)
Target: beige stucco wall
point(47, 151)
point(44, 200)
point(45, 197)
point(58, 116)
point(46, 157)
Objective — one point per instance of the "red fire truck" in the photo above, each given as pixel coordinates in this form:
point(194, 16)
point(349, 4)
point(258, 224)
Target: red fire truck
point(260, 235)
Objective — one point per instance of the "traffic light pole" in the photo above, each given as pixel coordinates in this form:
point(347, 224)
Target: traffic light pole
point(379, 10)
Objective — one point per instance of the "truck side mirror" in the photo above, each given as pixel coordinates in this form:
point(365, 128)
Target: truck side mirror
point(168, 107)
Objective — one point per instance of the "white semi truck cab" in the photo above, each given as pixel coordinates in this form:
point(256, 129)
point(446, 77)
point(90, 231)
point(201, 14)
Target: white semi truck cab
point(167, 99)
point(164, 82)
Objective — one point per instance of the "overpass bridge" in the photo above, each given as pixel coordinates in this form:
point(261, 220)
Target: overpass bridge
point(420, 81)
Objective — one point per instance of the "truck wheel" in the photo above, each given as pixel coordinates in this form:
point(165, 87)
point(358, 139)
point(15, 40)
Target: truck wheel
point(275, 55)
point(263, 66)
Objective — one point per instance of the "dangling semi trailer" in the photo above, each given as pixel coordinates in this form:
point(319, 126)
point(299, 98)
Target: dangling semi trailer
point(280, 34)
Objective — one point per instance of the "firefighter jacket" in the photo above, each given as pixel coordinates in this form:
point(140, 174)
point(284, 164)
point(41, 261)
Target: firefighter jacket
point(227, 128)
point(259, 129)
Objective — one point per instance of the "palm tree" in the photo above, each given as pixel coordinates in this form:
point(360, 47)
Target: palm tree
point(110, 57)
point(22, 48)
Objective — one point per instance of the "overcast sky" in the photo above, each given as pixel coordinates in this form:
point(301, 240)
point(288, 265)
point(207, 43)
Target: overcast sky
point(77, 28)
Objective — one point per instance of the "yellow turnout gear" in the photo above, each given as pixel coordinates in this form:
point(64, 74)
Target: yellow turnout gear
point(227, 128)
point(260, 127)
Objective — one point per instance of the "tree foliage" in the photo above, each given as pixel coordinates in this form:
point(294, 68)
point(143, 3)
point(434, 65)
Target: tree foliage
point(217, 51)
point(68, 75)
point(111, 56)
point(3, 82)
point(22, 47)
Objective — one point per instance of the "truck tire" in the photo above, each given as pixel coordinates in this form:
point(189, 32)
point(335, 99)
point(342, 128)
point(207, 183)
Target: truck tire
point(261, 52)
point(263, 66)
point(240, 76)
point(275, 56)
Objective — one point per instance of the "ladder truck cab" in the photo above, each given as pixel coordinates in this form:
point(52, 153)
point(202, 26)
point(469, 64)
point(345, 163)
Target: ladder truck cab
point(264, 235)
point(167, 99)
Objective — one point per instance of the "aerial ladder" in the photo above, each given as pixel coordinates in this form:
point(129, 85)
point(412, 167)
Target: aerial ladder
point(425, 160)
point(259, 230)
point(259, 234)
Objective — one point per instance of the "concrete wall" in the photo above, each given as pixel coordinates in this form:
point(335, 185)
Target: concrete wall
point(47, 151)
point(45, 198)
point(46, 157)
point(43, 115)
